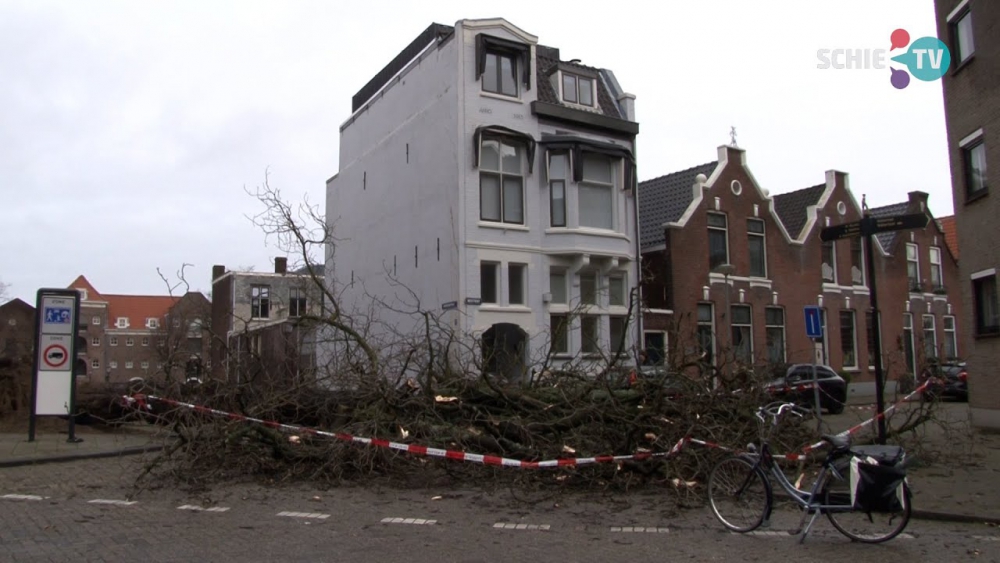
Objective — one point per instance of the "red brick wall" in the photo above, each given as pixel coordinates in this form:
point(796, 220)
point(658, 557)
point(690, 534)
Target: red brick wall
point(793, 272)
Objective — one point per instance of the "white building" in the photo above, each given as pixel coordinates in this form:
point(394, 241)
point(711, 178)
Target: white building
point(497, 182)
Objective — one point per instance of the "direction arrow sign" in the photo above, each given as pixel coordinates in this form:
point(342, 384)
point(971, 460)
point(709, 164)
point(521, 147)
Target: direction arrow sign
point(898, 223)
point(837, 232)
point(814, 322)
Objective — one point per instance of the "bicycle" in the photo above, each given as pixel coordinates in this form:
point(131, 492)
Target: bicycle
point(740, 482)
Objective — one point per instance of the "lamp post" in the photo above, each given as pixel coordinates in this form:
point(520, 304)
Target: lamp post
point(727, 270)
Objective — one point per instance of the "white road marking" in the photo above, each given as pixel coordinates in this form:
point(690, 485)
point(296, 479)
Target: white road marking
point(416, 521)
point(23, 497)
point(305, 515)
point(644, 529)
point(766, 533)
point(115, 502)
point(508, 526)
point(203, 509)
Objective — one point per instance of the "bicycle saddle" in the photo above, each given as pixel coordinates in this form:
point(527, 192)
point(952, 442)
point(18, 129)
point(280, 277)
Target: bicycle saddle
point(840, 443)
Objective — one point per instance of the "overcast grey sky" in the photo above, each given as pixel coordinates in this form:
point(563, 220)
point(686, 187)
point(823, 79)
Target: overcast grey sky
point(128, 130)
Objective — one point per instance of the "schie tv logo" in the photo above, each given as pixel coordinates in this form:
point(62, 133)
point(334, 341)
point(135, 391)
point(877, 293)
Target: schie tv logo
point(927, 59)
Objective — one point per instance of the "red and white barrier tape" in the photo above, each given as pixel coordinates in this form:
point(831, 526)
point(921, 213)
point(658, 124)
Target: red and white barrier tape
point(140, 402)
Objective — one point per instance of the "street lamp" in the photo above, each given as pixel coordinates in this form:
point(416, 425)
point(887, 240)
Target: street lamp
point(727, 270)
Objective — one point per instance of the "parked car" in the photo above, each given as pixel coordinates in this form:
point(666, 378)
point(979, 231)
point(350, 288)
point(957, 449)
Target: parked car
point(674, 385)
point(797, 386)
point(949, 379)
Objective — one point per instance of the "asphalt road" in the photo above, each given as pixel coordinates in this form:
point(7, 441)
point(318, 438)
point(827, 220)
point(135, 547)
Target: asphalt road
point(58, 520)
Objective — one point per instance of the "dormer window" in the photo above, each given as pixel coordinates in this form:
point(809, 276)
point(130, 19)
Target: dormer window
point(577, 89)
point(500, 74)
point(152, 323)
point(122, 322)
point(503, 65)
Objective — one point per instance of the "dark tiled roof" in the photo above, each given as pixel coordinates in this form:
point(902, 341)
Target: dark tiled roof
point(791, 207)
point(665, 199)
point(886, 239)
point(548, 94)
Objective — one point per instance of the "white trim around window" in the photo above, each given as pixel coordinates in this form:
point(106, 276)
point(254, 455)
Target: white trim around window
point(983, 274)
point(971, 138)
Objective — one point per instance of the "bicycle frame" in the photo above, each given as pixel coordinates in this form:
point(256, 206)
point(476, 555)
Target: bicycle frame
point(806, 499)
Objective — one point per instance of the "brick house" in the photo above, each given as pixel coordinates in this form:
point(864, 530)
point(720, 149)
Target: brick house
point(711, 235)
point(17, 328)
point(972, 116)
point(148, 336)
point(266, 322)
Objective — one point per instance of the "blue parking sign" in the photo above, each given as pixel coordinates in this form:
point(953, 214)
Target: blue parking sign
point(814, 322)
point(57, 315)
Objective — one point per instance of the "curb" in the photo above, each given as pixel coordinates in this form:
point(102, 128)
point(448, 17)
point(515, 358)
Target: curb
point(20, 462)
point(950, 517)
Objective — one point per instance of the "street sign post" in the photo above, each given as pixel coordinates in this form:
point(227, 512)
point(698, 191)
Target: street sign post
point(814, 330)
point(867, 228)
point(53, 383)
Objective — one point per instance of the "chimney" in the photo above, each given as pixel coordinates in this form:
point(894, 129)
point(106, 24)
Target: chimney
point(280, 265)
point(919, 198)
point(627, 103)
point(217, 272)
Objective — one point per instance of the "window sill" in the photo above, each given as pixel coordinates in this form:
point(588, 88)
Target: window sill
point(759, 282)
point(494, 308)
point(854, 369)
point(977, 195)
point(590, 231)
point(987, 335)
point(501, 97)
point(503, 226)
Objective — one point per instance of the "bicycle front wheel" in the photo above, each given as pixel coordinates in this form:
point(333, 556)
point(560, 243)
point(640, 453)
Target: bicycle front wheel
point(876, 527)
point(739, 493)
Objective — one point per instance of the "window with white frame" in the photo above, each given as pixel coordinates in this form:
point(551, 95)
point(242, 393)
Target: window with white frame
point(930, 337)
point(962, 43)
point(616, 335)
point(130, 341)
point(558, 177)
point(501, 181)
point(113, 364)
point(616, 290)
point(706, 331)
point(950, 337)
point(577, 89)
point(500, 73)
point(122, 322)
point(742, 333)
point(908, 347)
point(913, 266)
point(260, 302)
point(113, 341)
point(557, 285)
point(588, 288)
point(517, 283)
point(774, 321)
point(829, 257)
point(718, 240)
point(857, 262)
point(95, 341)
point(152, 323)
point(95, 321)
point(489, 282)
point(129, 364)
point(757, 248)
point(937, 273)
point(145, 341)
point(559, 333)
point(590, 334)
point(974, 157)
point(144, 365)
point(984, 300)
point(848, 340)
point(95, 363)
point(595, 193)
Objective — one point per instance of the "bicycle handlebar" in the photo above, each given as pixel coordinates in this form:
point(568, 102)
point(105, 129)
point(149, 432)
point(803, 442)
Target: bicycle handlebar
point(775, 410)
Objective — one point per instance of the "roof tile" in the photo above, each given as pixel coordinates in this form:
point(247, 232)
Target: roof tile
point(791, 207)
point(950, 231)
point(664, 199)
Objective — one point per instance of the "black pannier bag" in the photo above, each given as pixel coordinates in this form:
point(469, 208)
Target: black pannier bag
point(877, 481)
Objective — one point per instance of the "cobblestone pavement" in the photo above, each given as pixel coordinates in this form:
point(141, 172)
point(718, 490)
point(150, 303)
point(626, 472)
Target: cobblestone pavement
point(56, 518)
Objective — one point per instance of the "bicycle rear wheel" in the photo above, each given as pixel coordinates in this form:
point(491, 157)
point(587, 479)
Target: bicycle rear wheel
point(858, 525)
point(739, 493)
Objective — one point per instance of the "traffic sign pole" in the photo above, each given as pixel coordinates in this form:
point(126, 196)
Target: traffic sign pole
point(877, 338)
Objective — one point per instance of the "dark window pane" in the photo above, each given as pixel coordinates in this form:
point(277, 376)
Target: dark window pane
point(829, 265)
point(515, 284)
point(488, 282)
point(589, 335)
point(774, 316)
point(716, 220)
point(489, 197)
point(508, 76)
point(490, 74)
point(616, 331)
point(847, 347)
point(987, 311)
point(558, 192)
point(704, 313)
point(717, 252)
point(513, 200)
point(560, 335)
point(755, 226)
point(757, 259)
point(586, 92)
point(741, 314)
point(569, 88)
